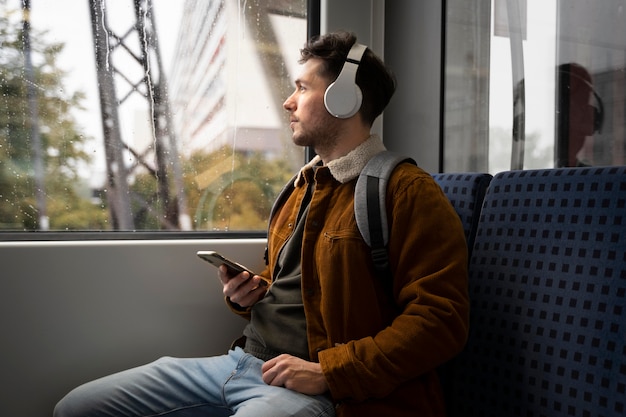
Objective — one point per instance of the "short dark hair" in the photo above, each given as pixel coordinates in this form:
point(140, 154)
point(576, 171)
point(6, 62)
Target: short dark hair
point(376, 81)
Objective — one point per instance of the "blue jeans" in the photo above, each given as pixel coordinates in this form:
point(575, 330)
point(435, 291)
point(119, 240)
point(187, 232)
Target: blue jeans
point(216, 386)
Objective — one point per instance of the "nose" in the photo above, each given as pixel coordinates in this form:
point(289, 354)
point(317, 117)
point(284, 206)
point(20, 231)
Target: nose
point(290, 103)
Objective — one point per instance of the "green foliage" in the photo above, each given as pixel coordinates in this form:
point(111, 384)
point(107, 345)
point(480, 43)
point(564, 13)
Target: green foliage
point(225, 191)
point(233, 190)
point(61, 140)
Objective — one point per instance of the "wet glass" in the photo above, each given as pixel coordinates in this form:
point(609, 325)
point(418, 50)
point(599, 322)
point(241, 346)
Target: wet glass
point(146, 115)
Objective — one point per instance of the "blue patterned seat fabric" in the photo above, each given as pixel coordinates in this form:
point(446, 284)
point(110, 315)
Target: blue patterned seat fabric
point(466, 192)
point(548, 294)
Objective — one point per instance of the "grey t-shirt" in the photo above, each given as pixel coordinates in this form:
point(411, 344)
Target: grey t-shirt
point(278, 323)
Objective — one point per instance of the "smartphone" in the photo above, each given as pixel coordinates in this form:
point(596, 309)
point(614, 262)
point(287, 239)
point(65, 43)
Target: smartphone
point(217, 259)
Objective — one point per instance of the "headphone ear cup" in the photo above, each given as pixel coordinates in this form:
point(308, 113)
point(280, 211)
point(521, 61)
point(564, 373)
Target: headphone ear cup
point(597, 120)
point(343, 98)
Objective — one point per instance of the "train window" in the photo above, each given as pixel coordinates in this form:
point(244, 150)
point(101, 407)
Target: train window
point(145, 115)
point(535, 84)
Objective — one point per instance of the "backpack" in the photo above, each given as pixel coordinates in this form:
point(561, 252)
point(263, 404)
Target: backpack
point(369, 206)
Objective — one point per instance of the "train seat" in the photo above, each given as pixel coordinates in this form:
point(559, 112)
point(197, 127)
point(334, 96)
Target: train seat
point(466, 192)
point(548, 298)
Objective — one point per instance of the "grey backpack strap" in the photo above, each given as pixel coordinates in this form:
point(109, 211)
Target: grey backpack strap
point(370, 208)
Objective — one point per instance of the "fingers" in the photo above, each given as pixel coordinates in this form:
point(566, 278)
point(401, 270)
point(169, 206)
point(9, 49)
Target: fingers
point(295, 374)
point(241, 289)
point(272, 372)
point(222, 274)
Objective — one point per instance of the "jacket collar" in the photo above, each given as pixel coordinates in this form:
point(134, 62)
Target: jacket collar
point(348, 167)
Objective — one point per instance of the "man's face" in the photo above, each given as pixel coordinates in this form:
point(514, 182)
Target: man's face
point(311, 124)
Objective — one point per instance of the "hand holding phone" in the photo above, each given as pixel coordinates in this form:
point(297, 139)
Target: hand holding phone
point(234, 268)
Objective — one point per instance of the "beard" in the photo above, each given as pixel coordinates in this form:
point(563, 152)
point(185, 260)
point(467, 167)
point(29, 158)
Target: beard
point(321, 134)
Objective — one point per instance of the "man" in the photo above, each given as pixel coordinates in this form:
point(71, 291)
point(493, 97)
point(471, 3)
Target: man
point(328, 336)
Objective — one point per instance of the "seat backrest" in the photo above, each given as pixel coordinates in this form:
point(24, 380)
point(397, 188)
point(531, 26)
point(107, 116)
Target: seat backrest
point(548, 298)
point(466, 192)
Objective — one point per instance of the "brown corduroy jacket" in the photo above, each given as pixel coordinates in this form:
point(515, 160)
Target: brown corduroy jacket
point(379, 343)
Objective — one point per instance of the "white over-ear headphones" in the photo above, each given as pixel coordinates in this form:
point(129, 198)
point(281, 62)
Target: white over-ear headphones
point(343, 97)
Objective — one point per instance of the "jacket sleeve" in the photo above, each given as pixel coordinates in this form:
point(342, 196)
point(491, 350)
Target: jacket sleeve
point(428, 256)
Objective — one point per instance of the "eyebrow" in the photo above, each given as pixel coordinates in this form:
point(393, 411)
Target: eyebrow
point(302, 82)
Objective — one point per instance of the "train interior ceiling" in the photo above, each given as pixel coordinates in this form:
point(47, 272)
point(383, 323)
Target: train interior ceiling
point(129, 144)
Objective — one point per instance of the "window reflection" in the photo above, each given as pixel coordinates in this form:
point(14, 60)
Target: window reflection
point(189, 132)
point(580, 115)
point(566, 122)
